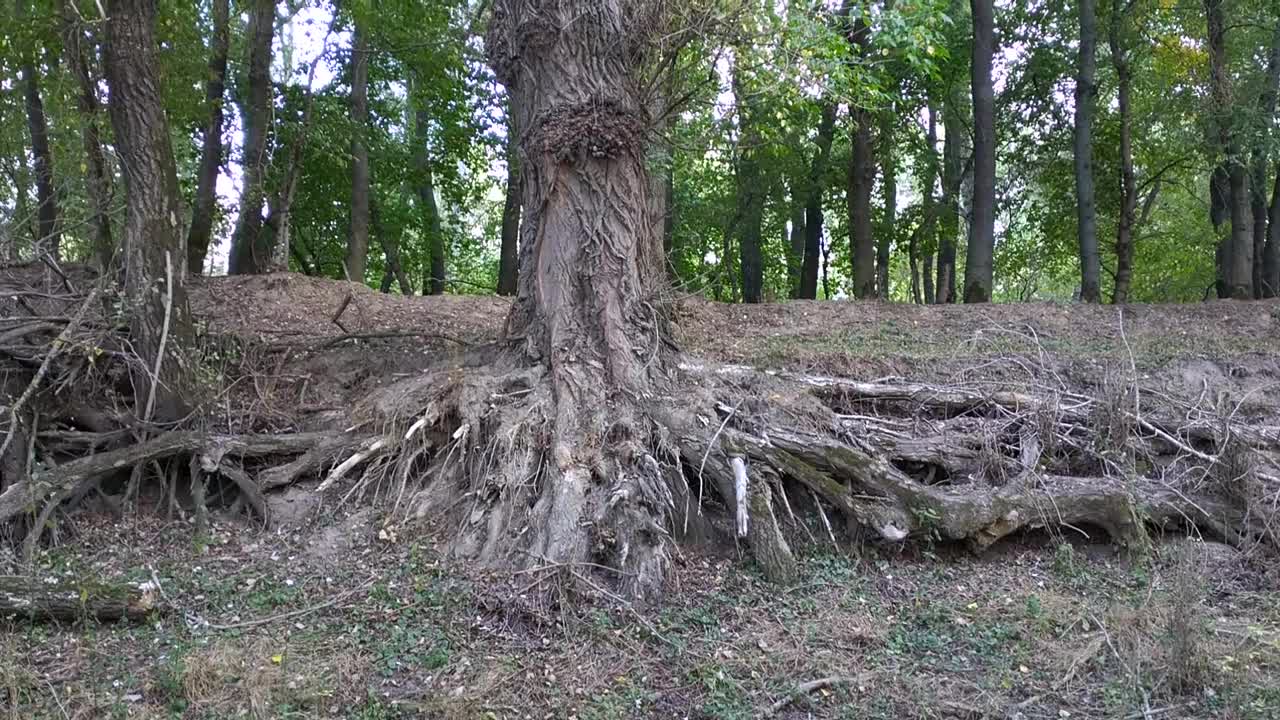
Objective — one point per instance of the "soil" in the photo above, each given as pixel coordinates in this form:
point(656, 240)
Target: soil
point(343, 611)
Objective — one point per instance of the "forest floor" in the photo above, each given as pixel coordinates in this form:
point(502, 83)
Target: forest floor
point(343, 611)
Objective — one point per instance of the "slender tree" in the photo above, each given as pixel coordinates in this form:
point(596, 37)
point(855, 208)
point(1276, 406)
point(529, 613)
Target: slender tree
point(1238, 269)
point(97, 172)
point(978, 260)
point(861, 177)
point(1128, 178)
point(433, 280)
point(49, 233)
point(1266, 266)
point(159, 320)
point(508, 256)
point(1086, 91)
point(202, 207)
point(813, 217)
point(358, 230)
point(750, 195)
point(250, 246)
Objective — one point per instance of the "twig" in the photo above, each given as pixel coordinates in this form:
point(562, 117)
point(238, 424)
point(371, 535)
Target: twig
point(707, 454)
point(341, 309)
point(164, 335)
point(58, 343)
point(804, 689)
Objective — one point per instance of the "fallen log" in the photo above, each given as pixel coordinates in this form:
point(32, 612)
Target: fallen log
point(38, 600)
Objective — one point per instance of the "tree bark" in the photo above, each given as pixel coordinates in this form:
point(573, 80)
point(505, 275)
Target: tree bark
point(49, 234)
point(434, 276)
point(795, 240)
point(97, 173)
point(929, 224)
point(978, 262)
point(952, 178)
point(1240, 256)
point(1128, 181)
point(159, 318)
point(588, 263)
point(861, 178)
point(37, 600)
point(250, 247)
point(750, 196)
point(889, 186)
point(358, 232)
point(508, 256)
point(205, 202)
point(1086, 92)
point(1266, 253)
point(813, 217)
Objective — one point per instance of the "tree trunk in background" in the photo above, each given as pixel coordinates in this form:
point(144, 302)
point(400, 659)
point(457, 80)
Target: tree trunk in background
point(813, 219)
point(509, 256)
point(1271, 255)
point(49, 236)
point(929, 232)
point(889, 182)
point(201, 231)
point(795, 241)
point(978, 261)
point(860, 181)
point(1240, 256)
point(751, 198)
point(1086, 92)
point(952, 179)
point(1266, 269)
point(1128, 181)
point(250, 248)
point(358, 233)
point(97, 174)
point(159, 319)
point(434, 275)
point(390, 252)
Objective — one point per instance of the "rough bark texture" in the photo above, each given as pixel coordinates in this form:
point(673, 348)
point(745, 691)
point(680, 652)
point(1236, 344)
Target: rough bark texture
point(49, 237)
point(250, 246)
point(358, 232)
point(424, 183)
point(813, 219)
point(159, 319)
point(508, 256)
point(1239, 258)
point(202, 207)
point(35, 599)
point(1128, 181)
point(978, 261)
point(1086, 213)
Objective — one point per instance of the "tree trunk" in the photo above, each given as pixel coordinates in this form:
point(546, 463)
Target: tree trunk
point(250, 248)
point(1239, 265)
point(750, 196)
point(588, 263)
point(795, 240)
point(1271, 255)
point(978, 261)
point(201, 231)
point(889, 186)
point(508, 257)
point(861, 178)
point(97, 174)
point(390, 253)
point(929, 229)
point(434, 276)
point(36, 599)
point(358, 232)
point(49, 234)
point(1086, 92)
point(1266, 254)
point(1128, 181)
point(813, 219)
point(159, 318)
point(952, 177)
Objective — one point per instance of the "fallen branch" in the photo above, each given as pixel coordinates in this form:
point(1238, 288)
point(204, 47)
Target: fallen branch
point(35, 599)
point(804, 689)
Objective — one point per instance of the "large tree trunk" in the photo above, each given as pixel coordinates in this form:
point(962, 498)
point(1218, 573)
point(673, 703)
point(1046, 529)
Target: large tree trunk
point(1128, 181)
point(813, 219)
point(49, 234)
point(1239, 265)
point(97, 174)
point(358, 233)
point(434, 275)
point(250, 247)
point(750, 194)
point(978, 261)
point(588, 262)
point(508, 256)
point(202, 209)
point(159, 319)
point(1086, 214)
